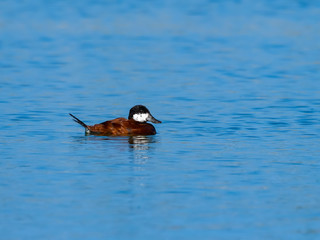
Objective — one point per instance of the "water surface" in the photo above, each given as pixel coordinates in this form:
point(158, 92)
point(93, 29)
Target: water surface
point(235, 83)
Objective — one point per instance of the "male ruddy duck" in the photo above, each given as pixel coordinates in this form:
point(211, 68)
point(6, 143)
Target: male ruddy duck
point(136, 124)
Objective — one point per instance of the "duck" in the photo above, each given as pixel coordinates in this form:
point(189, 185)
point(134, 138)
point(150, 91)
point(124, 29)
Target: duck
point(135, 125)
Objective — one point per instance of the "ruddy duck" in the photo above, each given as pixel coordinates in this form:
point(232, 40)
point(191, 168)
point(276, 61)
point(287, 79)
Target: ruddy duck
point(136, 124)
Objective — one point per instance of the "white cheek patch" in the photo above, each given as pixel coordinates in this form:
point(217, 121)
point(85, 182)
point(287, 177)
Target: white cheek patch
point(141, 117)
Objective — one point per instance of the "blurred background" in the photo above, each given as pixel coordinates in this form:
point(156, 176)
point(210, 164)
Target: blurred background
point(235, 83)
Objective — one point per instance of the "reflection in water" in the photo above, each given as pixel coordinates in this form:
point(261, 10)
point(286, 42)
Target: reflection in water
point(140, 146)
point(141, 142)
point(134, 141)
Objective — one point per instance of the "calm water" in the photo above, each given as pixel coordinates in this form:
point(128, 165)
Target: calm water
point(236, 84)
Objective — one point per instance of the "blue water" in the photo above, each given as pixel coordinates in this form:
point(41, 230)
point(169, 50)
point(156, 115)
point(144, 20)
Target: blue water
point(235, 83)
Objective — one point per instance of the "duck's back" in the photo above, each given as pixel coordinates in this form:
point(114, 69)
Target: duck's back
point(122, 127)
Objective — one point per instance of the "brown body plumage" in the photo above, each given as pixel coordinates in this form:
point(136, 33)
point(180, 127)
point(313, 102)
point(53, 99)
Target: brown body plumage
point(122, 127)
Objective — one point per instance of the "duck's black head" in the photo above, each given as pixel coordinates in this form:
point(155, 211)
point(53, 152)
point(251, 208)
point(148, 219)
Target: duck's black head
point(140, 113)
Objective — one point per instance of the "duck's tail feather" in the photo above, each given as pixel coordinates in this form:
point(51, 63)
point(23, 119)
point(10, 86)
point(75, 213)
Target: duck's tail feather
point(77, 120)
